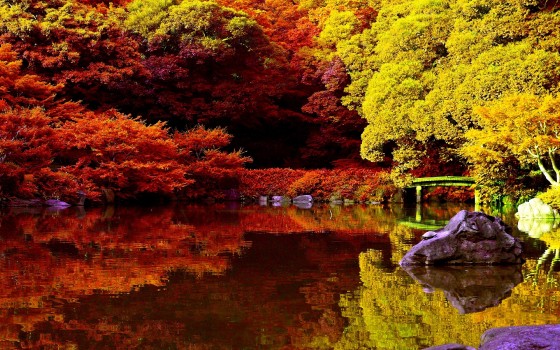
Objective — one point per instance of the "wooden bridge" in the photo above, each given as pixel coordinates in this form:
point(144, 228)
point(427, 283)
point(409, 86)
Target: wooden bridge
point(437, 181)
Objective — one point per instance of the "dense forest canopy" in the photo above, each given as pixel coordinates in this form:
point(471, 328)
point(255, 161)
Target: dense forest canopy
point(119, 94)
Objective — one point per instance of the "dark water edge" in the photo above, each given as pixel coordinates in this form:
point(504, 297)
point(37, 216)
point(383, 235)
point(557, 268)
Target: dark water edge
point(228, 276)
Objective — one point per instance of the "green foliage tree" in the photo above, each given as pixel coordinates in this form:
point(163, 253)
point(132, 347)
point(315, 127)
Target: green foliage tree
point(205, 23)
point(423, 66)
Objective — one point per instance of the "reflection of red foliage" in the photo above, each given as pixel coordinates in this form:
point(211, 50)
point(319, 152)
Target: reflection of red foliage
point(82, 278)
point(103, 252)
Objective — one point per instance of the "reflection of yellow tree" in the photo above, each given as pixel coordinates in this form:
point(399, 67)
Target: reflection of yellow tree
point(345, 219)
point(390, 311)
point(552, 240)
point(402, 239)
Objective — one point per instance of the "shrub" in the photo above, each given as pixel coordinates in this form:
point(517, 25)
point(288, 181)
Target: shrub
point(356, 184)
point(267, 182)
point(551, 196)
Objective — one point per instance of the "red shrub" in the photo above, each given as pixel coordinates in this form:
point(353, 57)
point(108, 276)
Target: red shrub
point(355, 184)
point(267, 182)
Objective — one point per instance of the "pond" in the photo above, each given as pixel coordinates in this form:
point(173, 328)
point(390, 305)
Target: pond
point(227, 276)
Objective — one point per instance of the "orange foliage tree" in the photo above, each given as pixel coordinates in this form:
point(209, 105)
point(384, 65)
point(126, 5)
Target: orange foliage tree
point(213, 170)
point(27, 130)
point(113, 151)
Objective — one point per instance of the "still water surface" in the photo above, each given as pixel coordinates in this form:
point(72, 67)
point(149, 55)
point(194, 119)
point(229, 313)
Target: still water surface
point(250, 277)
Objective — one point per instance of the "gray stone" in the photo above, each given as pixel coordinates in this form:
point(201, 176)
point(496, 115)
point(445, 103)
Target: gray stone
point(536, 208)
point(468, 238)
point(304, 205)
point(279, 199)
point(522, 338)
point(56, 203)
point(469, 288)
point(302, 199)
point(451, 347)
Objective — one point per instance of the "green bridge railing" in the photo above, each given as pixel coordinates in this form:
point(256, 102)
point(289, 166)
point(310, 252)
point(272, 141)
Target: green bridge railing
point(443, 181)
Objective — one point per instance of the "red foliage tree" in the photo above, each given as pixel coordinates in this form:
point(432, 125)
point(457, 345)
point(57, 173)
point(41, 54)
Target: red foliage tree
point(28, 115)
point(339, 133)
point(82, 47)
point(25, 150)
point(230, 74)
point(213, 170)
point(18, 88)
point(113, 151)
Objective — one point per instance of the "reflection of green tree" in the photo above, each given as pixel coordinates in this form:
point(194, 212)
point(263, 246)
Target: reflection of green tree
point(402, 239)
point(355, 218)
point(390, 311)
point(552, 240)
point(394, 313)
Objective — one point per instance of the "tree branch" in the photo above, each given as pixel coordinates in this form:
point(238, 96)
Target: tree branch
point(535, 155)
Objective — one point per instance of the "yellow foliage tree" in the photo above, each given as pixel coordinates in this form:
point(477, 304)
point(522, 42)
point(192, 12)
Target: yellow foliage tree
point(423, 65)
point(522, 127)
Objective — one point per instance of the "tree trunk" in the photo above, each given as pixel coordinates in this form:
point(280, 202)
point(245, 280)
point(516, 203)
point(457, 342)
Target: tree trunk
point(546, 173)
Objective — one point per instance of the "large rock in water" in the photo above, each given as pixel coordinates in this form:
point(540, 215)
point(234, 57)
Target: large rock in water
point(468, 238)
point(522, 338)
point(514, 338)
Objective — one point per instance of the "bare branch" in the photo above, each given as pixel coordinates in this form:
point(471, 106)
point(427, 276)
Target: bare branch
point(535, 154)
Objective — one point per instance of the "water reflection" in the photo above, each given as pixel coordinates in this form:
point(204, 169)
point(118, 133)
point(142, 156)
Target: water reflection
point(545, 230)
point(537, 227)
point(217, 276)
point(391, 311)
point(240, 277)
point(469, 288)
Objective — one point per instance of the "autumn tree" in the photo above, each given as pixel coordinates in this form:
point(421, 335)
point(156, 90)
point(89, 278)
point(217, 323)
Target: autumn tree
point(337, 138)
point(420, 69)
point(28, 117)
point(213, 169)
point(195, 62)
point(517, 131)
point(213, 65)
point(76, 44)
point(113, 151)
